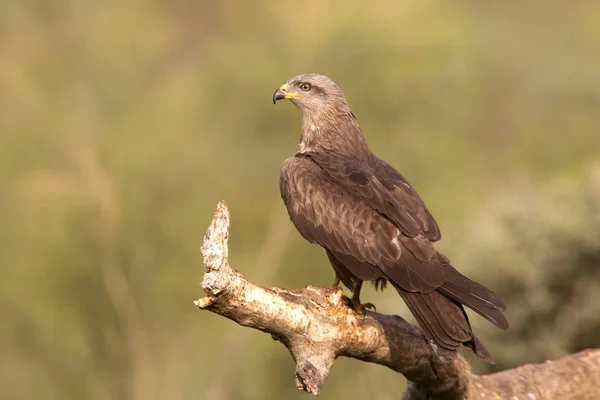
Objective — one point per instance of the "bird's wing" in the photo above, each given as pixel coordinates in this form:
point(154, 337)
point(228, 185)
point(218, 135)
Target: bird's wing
point(383, 189)
point(400, 189)
point(343, 219)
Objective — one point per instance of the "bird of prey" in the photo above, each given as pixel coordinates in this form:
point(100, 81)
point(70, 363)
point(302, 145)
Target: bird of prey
point(371, 221)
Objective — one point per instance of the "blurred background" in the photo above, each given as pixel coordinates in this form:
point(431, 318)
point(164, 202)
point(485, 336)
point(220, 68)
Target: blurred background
point(122, 123)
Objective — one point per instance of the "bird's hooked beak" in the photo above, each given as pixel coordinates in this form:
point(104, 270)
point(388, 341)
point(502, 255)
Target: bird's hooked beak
point(284, 93)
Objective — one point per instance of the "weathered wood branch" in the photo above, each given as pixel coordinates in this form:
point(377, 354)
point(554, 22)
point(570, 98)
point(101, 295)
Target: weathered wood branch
point(317, 326)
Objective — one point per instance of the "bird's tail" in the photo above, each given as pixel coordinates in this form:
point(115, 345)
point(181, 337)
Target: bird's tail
point(443, 321)
point(473, 295)
point(441, 315)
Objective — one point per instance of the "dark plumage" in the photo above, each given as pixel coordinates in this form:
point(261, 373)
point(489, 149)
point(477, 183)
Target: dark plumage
point(371, 222)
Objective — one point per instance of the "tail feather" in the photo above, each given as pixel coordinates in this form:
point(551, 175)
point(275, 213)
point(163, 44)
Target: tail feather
point(442, 320)
point(475, 296)
point(480, 351)
point(475, 345)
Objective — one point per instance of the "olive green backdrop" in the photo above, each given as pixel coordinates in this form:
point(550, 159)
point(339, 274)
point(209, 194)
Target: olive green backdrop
point(122, 123)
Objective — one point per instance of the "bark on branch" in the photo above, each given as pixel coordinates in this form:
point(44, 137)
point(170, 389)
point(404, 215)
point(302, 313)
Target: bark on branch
point(316, 326)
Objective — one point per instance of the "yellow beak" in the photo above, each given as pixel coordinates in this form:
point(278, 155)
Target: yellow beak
point(283, 93)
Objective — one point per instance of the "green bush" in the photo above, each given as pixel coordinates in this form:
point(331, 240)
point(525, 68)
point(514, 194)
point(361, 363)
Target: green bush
point(538, 246)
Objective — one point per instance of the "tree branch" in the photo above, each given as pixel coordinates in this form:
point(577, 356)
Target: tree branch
point(316, 325)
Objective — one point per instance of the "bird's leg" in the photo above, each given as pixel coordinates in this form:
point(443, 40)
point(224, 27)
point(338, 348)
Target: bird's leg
point(355, 300)
point(336, 281)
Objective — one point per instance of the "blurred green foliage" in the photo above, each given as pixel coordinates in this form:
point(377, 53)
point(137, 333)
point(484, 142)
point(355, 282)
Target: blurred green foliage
point(122, 123)
point(540, 246)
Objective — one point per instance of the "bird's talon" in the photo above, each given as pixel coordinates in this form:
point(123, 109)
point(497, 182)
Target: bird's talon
point(369, 306)
point(358, 307)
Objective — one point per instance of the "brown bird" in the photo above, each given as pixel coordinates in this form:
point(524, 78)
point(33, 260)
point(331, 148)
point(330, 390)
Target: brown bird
point(371, 222)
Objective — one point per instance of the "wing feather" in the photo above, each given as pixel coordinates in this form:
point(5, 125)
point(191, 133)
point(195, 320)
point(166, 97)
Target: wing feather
point(399, 187)
point(382, 188)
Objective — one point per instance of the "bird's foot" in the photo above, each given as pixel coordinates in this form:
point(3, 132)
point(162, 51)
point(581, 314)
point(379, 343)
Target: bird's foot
point(359, 307)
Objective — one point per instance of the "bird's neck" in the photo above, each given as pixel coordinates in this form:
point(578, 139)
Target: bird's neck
point(334, 131)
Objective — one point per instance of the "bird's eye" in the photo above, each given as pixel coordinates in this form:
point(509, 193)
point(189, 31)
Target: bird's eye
point(305, 87)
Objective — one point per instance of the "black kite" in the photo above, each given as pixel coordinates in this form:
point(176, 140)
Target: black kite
point(371, 222)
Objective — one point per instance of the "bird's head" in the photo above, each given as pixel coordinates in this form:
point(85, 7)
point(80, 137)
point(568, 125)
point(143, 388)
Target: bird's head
point(328, 124)
point(311, 93)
